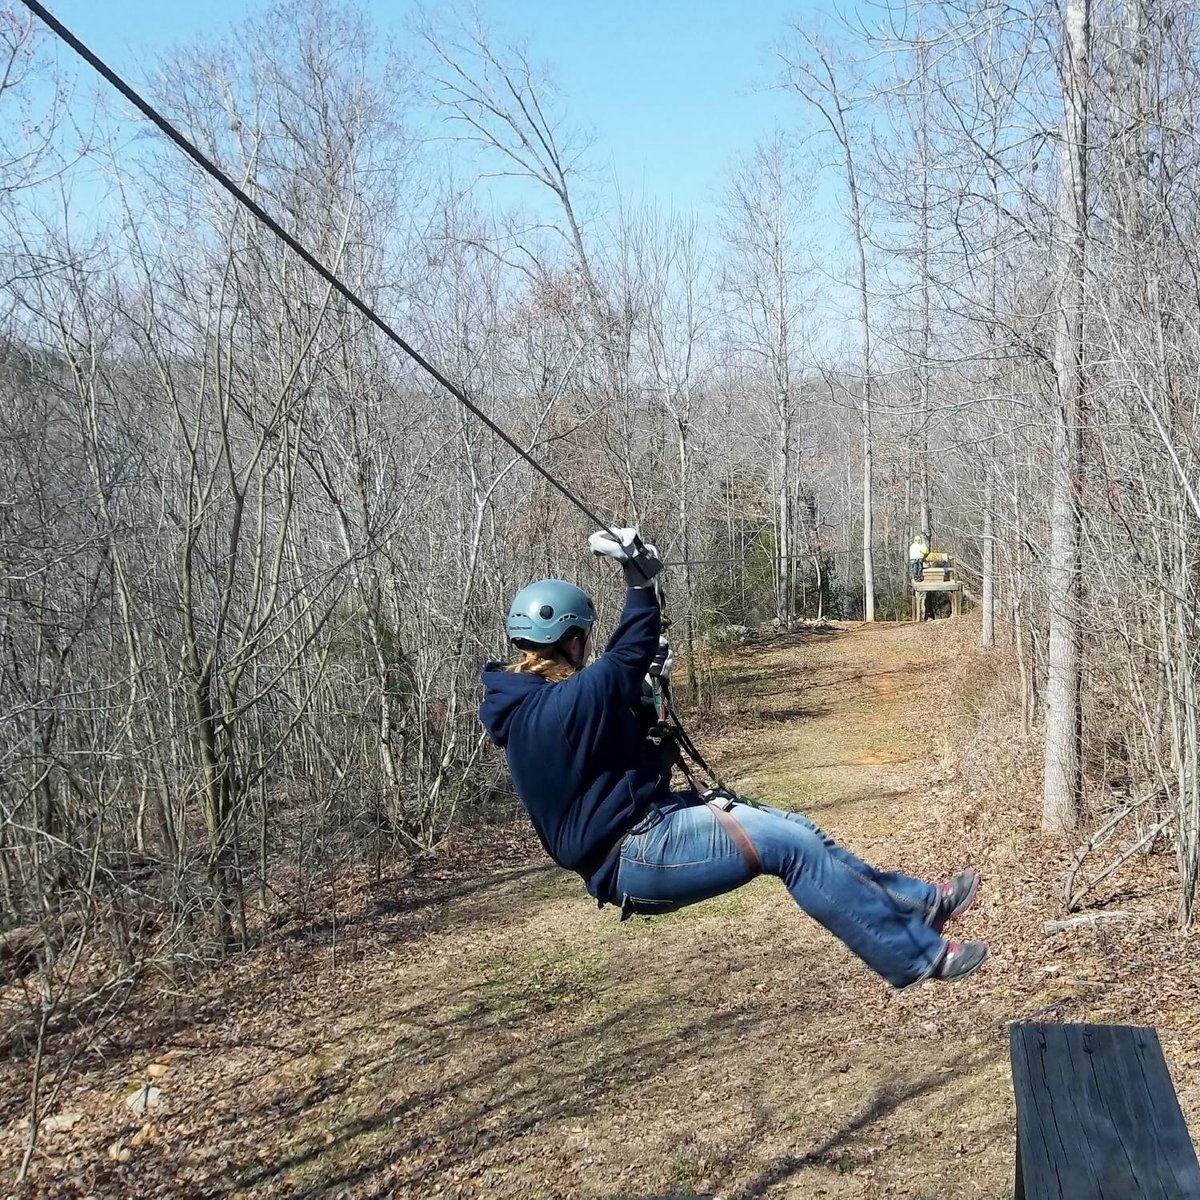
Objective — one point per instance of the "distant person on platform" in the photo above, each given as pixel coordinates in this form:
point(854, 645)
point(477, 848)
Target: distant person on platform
point(916, 556)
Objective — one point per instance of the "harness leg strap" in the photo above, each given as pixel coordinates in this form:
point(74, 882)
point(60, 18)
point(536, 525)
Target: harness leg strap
point(740, 838)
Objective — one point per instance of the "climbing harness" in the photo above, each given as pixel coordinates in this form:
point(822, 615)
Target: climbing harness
point(674, 741)
point(678, 749)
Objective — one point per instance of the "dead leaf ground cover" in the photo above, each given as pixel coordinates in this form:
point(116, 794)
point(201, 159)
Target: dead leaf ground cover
point(479, 1028)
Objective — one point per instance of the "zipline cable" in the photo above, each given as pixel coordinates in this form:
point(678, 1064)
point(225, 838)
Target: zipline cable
point(211, 168)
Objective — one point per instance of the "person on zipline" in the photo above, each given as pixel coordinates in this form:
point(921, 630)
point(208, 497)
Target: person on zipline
point(598, 791)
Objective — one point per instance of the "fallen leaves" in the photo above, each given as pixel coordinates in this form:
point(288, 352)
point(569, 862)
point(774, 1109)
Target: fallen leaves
point(60, 1122)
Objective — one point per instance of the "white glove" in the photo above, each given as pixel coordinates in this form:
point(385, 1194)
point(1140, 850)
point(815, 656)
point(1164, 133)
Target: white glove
point(639, 564)
point(603, 542)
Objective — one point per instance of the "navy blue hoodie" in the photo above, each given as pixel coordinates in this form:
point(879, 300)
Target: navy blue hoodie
point(577, 750)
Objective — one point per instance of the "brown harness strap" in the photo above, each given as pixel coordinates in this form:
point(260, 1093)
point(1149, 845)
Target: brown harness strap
point(738, 835)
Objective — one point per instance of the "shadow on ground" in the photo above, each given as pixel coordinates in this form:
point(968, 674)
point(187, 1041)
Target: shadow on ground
point(497, 1114)
point(416, 906)
point(889, 1097)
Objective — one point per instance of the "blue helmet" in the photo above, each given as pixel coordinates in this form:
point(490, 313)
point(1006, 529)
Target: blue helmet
point(547, 610)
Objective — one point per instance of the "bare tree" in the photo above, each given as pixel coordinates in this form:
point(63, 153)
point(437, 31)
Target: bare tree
point(763, 281)
point(810, 73)
point(1062, 783)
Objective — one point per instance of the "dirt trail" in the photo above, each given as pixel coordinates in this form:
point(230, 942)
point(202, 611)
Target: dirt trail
point(503, 1037)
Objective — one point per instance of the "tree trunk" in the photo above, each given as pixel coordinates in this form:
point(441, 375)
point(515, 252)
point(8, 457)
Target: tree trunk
point(1062, 783)
point(987, 634)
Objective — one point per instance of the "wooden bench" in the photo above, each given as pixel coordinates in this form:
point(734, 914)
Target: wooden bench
point(1097, 1116)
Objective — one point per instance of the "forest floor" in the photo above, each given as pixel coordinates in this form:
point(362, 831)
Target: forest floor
point(482, 1029)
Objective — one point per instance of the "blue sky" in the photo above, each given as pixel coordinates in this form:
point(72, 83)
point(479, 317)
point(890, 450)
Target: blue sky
point(671, 91)
point(672, 94)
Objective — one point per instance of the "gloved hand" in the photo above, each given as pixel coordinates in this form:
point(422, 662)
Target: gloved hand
point(663, 662)
point(640, 563)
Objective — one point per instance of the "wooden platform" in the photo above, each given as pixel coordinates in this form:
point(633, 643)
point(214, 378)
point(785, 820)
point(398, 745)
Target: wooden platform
point(922, 589)
point(1097, 1116)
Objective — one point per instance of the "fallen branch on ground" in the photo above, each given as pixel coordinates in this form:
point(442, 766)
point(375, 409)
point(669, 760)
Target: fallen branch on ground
point(1098, 918)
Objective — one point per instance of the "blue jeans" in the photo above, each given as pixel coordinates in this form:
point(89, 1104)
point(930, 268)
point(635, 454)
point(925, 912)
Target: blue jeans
point(679, 854)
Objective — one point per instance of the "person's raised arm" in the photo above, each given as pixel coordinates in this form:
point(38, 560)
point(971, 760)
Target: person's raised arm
point(631, 649)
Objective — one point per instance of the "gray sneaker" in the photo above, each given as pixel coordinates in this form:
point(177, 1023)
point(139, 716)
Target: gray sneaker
point(959, 960)
point(956, 897)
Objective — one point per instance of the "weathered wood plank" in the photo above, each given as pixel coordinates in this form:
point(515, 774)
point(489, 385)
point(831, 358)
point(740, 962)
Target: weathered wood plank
point(1097, 1116)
